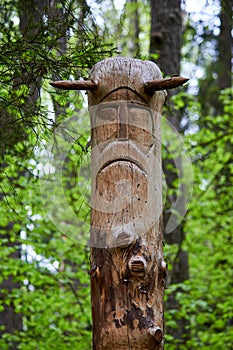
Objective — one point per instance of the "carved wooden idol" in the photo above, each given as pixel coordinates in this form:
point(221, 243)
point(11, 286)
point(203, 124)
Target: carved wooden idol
point(127, 267)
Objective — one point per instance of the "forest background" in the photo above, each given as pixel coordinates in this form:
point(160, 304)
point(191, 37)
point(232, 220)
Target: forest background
point(45, 165)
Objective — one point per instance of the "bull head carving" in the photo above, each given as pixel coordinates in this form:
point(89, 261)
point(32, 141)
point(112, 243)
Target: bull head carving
point(149, 86)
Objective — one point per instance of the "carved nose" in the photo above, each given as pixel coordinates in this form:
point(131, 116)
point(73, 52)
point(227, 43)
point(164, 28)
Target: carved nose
point(123, 132)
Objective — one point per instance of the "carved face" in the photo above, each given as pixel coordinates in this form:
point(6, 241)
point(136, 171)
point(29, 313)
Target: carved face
point(125, 122)
point(124, 148)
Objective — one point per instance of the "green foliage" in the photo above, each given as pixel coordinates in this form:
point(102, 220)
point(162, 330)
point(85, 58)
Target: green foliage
point(54, 297)
point(205, 298)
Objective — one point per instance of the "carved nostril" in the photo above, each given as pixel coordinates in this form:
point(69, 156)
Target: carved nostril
point(123, 132)
point(137, 266)
point(156, 333)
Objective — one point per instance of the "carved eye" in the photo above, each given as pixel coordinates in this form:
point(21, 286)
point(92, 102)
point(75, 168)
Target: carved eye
point(105, 123)
point(141, 126)
point(107, 115)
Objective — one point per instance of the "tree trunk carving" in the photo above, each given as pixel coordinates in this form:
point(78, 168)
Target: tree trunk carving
point(127, 266)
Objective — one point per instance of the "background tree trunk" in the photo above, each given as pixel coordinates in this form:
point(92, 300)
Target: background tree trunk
point(225, 45)
point(134, 21)
point(218, 72)
point(9, 318)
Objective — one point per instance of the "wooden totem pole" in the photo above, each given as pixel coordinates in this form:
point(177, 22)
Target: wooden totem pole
point(127, 267)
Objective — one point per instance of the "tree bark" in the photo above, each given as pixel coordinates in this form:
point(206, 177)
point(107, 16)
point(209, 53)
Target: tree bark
point(209, 87)
point(127, 267)
point(166, 34)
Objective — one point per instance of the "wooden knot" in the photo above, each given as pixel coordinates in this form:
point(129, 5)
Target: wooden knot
point(158, 37)
point(95, 271)
point(156, 333)
point(137, 266)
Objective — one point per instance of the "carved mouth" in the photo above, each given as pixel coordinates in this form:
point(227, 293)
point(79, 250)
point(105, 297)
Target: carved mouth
point(120, 152)
point(121, 159)
point(120, 186)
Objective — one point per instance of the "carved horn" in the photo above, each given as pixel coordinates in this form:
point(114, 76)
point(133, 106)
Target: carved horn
point(74, 84)
point(164, 84)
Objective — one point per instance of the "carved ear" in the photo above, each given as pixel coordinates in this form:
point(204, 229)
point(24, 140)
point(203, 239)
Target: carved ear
point(163, 84)
point(74, 84)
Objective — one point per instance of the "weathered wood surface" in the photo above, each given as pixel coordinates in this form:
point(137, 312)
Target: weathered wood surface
point(127, 268)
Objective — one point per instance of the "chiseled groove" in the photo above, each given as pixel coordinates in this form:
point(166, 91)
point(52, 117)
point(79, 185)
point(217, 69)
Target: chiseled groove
point(122, 159)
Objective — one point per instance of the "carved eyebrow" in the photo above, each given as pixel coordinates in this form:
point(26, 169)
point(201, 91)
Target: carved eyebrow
point(124, 88)
point(106, 106)
point(117, 103)
point(138, 106)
